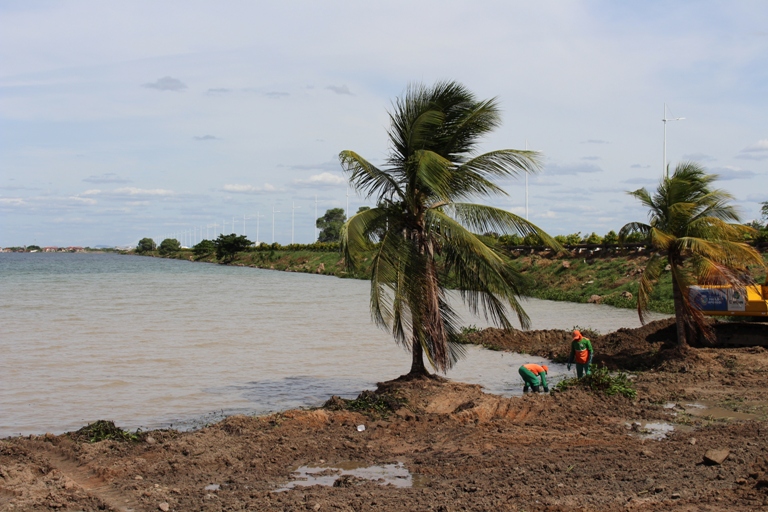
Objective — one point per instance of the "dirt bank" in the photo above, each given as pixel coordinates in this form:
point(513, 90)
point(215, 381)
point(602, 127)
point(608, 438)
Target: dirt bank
point(457, 448)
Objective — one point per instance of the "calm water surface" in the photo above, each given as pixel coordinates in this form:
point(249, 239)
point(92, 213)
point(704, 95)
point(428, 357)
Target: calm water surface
point(150, 343)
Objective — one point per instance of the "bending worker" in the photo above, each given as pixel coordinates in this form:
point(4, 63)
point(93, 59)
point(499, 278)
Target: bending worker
point(534, 375)
point(581, 354)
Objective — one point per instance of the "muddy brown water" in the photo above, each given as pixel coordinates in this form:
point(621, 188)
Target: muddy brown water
point(153, 343)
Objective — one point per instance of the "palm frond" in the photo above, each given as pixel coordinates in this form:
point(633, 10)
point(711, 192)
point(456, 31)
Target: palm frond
point(648, 280)
point(481, 219)
point(367, 178)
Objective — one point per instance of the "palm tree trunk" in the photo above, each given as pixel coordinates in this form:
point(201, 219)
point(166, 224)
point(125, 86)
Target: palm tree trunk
point(680, 313)
point(417, 362)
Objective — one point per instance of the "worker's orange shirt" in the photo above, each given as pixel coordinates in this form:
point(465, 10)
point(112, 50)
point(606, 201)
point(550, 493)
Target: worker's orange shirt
point(534, 368)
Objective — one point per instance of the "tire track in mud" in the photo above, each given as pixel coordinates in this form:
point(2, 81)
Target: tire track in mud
point(87, 479)
point(492, 408)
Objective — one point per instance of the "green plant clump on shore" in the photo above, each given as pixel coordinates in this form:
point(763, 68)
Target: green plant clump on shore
point(102, 430)
point(369, 403)
point(601, 381)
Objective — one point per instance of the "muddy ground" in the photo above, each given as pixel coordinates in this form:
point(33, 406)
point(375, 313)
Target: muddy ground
point(457, 448)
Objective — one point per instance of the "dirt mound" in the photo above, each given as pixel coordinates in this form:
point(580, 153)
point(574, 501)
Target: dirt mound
point(641, 348)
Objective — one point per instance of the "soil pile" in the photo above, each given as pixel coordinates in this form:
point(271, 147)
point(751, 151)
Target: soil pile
point(464, 449)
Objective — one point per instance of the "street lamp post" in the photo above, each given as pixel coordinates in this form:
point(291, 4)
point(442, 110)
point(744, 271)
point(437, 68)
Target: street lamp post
point(273, 222)
point(293, 216)
point(664, 170)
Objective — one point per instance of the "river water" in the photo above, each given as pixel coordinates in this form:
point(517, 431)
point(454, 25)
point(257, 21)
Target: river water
point(154, 343)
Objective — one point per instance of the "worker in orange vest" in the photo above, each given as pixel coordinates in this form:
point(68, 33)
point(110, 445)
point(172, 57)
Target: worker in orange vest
point(534, 375)
point(581, 354)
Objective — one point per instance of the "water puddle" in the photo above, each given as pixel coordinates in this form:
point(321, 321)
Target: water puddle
point(656, 431)
point(705, 409)
point(345, 474)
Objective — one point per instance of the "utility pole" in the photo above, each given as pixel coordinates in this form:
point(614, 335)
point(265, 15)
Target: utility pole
point(526, 186)
point(293, 216)
point(258, 216)
point(664, 170)
point(273, 222)
point(315, 223)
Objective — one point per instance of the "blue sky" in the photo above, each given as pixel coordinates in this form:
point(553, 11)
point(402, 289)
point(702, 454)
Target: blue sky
point(120, 120)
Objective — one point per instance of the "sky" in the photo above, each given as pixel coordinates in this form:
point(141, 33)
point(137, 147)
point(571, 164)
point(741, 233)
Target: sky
point(185, 119)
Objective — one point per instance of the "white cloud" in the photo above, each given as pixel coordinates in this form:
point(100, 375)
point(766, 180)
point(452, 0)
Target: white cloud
point(166, 83)
point(108, 177)
point(731, 173)
point(133, 191)
point(12, 201)
point(84, 200)
point(570, 169)
point(760, 146)
point(751, 156)
point(248, 189)
point(340, 89)
point(324, 179)
point(699, 157)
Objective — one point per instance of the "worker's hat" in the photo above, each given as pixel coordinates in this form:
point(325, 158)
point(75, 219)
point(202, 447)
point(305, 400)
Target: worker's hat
point(577, 335)
point(546, 368)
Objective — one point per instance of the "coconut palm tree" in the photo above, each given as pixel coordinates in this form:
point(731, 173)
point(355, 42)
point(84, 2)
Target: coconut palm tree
point(422, 232)
point(696, 234)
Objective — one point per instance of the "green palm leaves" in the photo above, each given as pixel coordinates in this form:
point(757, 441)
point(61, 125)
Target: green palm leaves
point(424, 231)
point(696, 232)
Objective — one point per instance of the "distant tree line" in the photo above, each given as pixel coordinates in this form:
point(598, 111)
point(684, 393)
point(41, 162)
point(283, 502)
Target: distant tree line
point(225, 247)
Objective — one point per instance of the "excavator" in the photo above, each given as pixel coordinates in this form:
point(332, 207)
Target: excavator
point(723, 300)
point(749, 302)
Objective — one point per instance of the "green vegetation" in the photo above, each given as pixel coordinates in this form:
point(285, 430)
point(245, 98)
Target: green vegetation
point(373, 405)
point(601, 381)
point(760, 234)
point(695, 235)
point(102, 430)
point(146, 245)
point(227, 246)
point(169, 246)
point(424, 234)
point(330, 225)
point(204, 248)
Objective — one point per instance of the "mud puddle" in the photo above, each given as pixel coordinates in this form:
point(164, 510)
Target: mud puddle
point(345, 474)
point(656, 430)
point(711, 410)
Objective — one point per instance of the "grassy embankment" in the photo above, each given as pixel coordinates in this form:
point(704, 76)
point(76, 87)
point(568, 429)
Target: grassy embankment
point(565, 278)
